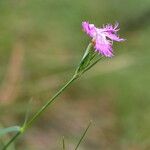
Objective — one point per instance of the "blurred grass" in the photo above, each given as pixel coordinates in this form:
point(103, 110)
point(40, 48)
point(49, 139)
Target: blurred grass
point(115, 93)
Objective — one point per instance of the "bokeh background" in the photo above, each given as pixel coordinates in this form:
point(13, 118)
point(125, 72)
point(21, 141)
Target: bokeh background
point(41, 42)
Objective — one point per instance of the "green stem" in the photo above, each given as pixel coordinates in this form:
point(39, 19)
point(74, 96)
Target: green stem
point(40, 111)
point(15, 136)
point(78, 73)
point(49, 102)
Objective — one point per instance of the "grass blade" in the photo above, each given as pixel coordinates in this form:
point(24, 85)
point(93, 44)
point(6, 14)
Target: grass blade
point(83, 135)
point(63, 144)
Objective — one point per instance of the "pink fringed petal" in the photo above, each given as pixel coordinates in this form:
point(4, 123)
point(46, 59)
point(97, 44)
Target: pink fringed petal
point(100, 35)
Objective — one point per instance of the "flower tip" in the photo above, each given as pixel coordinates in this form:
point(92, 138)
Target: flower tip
point(122, 40)
point(110, 55)
point(85, 25)
point(116, 25)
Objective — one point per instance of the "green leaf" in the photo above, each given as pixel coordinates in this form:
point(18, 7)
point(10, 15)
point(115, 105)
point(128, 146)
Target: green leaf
point(9, 129)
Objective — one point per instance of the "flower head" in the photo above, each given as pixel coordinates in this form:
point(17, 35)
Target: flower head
point(103, 37)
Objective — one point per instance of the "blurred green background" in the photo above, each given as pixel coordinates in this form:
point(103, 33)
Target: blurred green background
point(41, 42)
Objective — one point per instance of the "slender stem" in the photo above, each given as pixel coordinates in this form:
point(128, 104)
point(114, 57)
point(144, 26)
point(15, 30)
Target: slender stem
point(15, 136)
point(40, 111)
point(37, 114)
point(78, 73)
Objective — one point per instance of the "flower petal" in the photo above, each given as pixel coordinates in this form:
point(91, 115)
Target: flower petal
point(90, 29)
point(104, 47)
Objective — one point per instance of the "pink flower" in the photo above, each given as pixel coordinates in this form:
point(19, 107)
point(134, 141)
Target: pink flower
point(103, 37)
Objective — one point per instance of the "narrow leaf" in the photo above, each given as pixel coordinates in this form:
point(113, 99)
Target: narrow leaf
point(9, 129)
point(27, 113)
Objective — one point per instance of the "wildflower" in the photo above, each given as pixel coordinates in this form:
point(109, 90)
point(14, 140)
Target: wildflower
point(103, 37)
